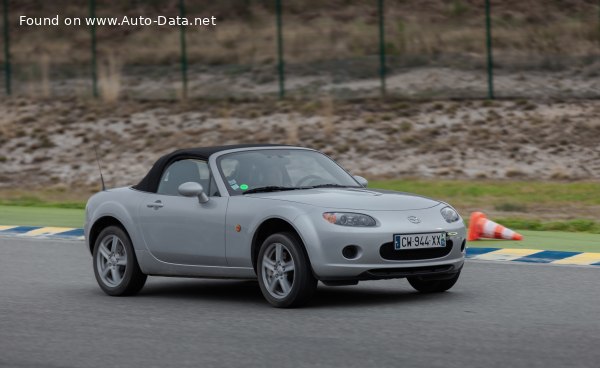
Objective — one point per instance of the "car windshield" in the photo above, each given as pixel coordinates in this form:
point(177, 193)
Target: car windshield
point(280, 169)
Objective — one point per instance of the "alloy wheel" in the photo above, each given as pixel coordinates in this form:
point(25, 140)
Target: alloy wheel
point(111, 260)
point(278, 270)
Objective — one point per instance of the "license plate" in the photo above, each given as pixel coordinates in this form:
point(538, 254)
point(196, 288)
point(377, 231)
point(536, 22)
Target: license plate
point(419, 241)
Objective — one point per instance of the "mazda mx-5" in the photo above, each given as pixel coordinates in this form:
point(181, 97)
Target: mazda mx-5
point(286, 216)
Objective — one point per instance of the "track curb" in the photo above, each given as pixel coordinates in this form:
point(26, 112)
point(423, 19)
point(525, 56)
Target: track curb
point(534, 256)
point(483, 254)
point(43, 232)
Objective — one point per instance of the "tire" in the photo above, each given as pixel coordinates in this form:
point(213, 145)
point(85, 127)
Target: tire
point(282, 287)
point(116, 269)
point(433, 286)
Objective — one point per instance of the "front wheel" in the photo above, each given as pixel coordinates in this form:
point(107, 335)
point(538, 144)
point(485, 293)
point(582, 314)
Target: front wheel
point(433, 286)
point(284, 273)
point(115, 266)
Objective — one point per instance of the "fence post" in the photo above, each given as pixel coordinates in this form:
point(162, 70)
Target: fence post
point(7, 70)
point(382, 56)
point(184, 62)
point(488, 43)
point(280, 65)
point(93, 45)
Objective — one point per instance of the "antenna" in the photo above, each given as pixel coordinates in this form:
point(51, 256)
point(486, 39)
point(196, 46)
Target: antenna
point(99, 168)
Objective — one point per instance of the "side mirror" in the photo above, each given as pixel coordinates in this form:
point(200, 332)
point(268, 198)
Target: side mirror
point(362, 181)
point(192, 189)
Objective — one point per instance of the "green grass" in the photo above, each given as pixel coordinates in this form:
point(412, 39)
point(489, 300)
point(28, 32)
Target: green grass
point(565, 235)
point(577, 225)
point(516, 204)
point(41, 216)
point(534, 200)
point(510, 196)
point(547, 240)
point(34, 201)
point(522, 193)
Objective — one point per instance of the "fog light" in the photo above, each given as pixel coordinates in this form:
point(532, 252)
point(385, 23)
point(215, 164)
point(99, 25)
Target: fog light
point(351, 252)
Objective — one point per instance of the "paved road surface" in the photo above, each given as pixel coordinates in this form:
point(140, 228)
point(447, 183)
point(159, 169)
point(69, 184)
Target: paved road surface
point(52, 314)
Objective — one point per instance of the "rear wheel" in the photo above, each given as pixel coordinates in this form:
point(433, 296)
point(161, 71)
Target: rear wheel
point(115, 266)
point(284, 272)
point(433, 286)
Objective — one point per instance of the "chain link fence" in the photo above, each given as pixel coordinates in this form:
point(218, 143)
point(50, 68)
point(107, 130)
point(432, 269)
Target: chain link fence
point(462, 49)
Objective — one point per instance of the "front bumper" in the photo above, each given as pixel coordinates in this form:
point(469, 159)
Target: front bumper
point(441, 272)
point(325, 243)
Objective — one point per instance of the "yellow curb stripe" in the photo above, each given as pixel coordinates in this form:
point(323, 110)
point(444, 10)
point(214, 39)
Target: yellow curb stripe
point(580, 259)
point(507, 254)
point(47, 231)
point(6, 227)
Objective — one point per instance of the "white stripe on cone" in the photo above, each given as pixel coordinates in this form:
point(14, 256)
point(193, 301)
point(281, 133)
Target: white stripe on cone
point(481, 227)
point(488, 228)
point(507, 233)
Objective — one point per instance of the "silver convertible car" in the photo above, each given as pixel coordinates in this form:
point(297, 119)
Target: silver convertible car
point(287, 216)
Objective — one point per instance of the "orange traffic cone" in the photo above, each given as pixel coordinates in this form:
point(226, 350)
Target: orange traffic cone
point(481, 227)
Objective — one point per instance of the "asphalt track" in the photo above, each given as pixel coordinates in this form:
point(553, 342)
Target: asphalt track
point(52, 314)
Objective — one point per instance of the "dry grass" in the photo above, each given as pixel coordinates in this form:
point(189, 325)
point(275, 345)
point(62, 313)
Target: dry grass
point(375, 138)
point(419, 31)
point(109, 79)
point(328, 116)
point(225, 124)
point(45, 75)
point(292, 134)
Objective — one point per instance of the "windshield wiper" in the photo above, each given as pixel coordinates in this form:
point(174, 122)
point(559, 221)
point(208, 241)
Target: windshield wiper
point(276, 188)
point(270, 188)
point(331, 186)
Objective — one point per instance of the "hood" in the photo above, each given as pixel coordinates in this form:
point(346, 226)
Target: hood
point(353, 199)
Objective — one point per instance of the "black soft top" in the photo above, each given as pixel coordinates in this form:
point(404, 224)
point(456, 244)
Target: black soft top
point(150, 182)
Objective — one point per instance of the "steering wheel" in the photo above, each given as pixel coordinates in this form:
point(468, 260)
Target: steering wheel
point(307, 178)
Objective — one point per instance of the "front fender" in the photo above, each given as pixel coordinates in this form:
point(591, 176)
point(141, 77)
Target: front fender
point(239, 243)
point(309, 233)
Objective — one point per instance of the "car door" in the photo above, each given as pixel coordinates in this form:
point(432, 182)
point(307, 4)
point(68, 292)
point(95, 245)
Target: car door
point(181, 230)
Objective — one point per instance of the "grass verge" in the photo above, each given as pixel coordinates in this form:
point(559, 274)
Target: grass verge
point(542, 206)
point(47, 198)
point(527, 207)
point(41, 216)
point(500, 193)
point(577, 225)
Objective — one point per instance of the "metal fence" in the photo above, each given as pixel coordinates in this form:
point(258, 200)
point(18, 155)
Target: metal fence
point(468, 49)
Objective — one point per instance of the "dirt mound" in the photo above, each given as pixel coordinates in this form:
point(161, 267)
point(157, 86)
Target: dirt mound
point(50, 143)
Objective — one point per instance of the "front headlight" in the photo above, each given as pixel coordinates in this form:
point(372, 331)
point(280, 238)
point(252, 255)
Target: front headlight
point(349, 219)
point(449, 214)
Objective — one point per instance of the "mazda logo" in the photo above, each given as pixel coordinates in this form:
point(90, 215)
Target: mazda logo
point(414, 219)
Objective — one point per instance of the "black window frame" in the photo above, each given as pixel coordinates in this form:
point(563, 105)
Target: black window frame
point(211, 178)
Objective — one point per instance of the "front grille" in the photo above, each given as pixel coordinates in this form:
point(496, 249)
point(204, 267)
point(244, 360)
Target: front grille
point(387, 252)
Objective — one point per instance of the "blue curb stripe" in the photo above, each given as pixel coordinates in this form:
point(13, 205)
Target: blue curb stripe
point(546, 256)
point(472, 252)
point(70, 233)
point(20, 229)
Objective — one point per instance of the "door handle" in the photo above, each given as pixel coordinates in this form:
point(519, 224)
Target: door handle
point(156, 205)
